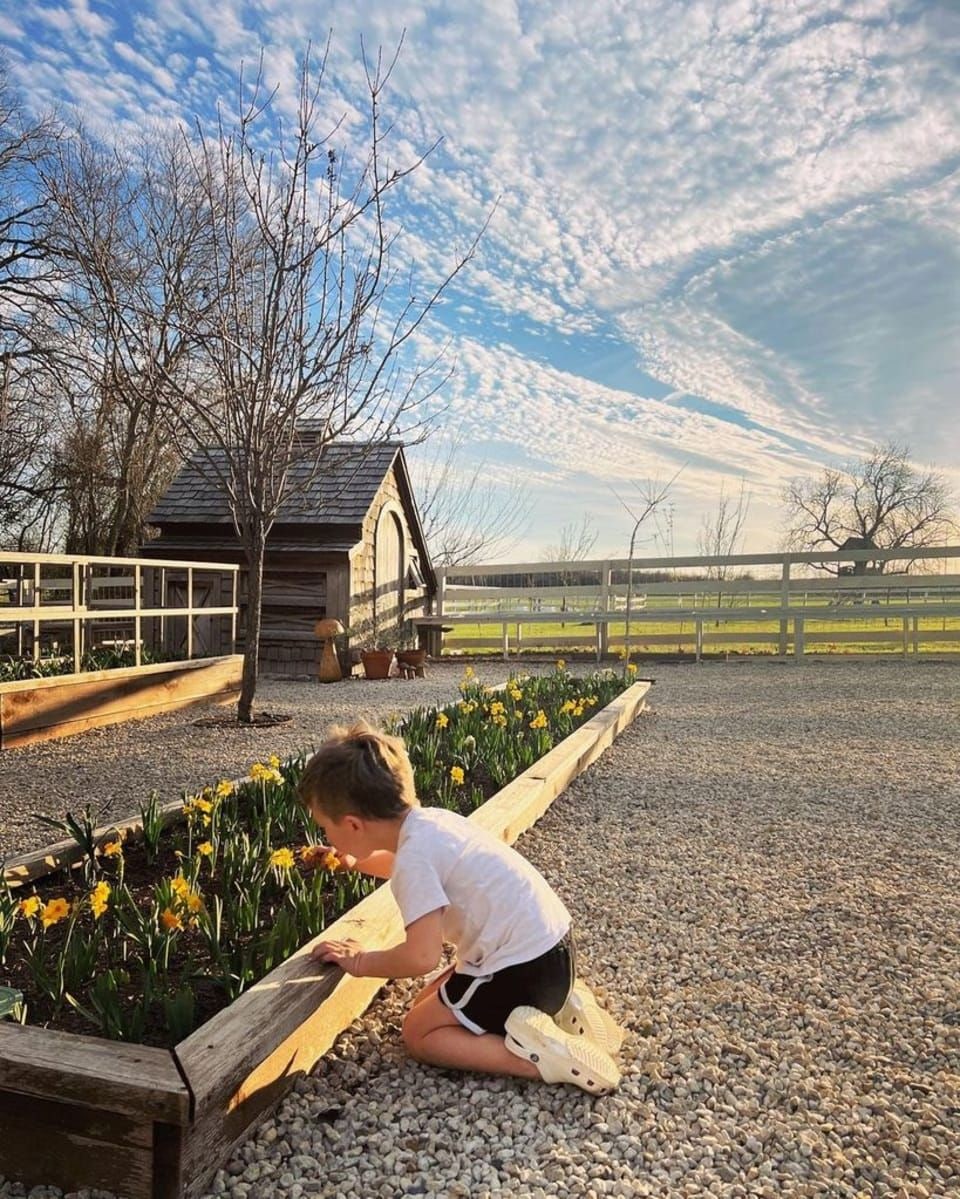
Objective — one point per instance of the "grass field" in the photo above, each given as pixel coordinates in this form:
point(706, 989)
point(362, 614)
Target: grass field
point(873, 632)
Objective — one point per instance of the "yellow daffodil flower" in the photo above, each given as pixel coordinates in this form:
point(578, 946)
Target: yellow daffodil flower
point(54, 911)
point(29, 907)
point(540, 720)
point(170, 920)
point(282, 859)
point(180, 887)
point(274, 762)
point(442, 720)
point(224, 788)
point(99, 898)
point(194, 902)
point(516, 694)
point(561, 664)
point(112, 849)
point(456, 774)
point(205, 849)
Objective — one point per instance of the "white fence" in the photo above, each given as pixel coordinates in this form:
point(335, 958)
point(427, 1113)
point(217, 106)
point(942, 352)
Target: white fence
point(185, 609)
point(603, 609)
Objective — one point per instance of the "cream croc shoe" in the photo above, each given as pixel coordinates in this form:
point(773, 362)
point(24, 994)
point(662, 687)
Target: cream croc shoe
point(558, 1056)
point(581, 1015)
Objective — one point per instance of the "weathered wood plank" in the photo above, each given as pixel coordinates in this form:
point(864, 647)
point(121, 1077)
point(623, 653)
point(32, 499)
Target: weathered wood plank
point(134, 1080)
point(53, 1143)
point(61, 707)
point(240, 1062)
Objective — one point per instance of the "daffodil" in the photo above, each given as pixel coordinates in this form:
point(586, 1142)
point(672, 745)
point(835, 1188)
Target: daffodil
point(180, 887)
point(632, 668)
point(54, 911)
point(567, 707)
point(516, 694)
point(497, 709)
point(112, 849)
point(170, 920)
point(223, 789)
point(282, 859)
point(99, 898)
point(194, 902)
point(29, 907)
point(274, 762)
point(205, 849)
point(456, 774)
point(561, 664)
point(540, 720)
point(442, 720)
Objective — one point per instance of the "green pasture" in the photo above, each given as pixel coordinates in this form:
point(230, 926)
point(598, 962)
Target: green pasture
point(849, 635)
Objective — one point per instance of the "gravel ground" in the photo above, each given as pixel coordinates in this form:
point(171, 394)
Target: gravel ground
point(765, 873)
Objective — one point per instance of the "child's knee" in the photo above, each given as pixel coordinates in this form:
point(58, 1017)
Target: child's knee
point(412, 1035)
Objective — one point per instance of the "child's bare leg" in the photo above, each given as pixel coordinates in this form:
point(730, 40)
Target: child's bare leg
point(432, 1034)
point(432, 987)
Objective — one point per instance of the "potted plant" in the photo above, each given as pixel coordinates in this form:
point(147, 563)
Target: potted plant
point(408, 652)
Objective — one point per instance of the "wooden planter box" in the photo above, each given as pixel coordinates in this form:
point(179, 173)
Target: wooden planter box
point(38, 709)
point(143, 1122)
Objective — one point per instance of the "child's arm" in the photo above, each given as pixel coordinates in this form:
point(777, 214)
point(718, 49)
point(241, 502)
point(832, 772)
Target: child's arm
point(379, 863)
point(415, 956)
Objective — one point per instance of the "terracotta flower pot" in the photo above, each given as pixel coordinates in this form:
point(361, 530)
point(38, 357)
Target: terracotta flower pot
point(376, 662)
point(412, 657)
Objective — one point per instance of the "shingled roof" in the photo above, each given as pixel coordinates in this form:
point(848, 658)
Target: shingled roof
point(340, 493)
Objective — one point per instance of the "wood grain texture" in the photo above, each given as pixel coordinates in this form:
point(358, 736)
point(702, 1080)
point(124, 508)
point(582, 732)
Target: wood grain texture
point(60, 707)
point(54, 1143)
point(137, 1080)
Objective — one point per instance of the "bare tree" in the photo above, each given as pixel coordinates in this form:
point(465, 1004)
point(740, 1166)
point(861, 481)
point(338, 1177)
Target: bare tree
point(882, 501)
point(28, 282)
point(303, 319)
point(721, 530)
point(651, 496)
point(575, 543)
point(119, 330)
point(466, 515)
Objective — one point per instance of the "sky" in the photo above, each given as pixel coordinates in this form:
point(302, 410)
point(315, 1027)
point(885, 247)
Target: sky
point(726, 235)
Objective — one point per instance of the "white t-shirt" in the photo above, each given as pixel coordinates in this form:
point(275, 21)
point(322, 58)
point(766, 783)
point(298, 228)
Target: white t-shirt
point(498, 909)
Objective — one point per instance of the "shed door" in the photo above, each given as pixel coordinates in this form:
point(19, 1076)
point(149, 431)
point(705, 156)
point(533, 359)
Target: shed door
point(389, 571)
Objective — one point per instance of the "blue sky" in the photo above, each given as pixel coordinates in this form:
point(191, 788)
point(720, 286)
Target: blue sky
point(728, 232)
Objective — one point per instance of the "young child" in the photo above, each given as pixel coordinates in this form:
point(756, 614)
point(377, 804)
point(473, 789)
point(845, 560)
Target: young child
point(456, 883)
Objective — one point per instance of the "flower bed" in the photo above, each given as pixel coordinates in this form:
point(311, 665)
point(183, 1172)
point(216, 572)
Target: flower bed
point(147, 1121)
point(145, 940)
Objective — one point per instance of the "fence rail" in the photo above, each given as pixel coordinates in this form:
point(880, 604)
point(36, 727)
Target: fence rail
point(177, 607)
point(527, 608)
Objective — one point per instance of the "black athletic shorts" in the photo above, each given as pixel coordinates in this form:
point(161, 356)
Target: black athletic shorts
point(483, 1002)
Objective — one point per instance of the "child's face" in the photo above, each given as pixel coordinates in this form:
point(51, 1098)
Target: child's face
point(345, 835)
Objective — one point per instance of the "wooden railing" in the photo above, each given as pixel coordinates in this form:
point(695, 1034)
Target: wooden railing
point(128, 602)
point(528, 608)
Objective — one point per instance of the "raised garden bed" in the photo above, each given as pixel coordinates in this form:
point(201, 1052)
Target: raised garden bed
point(141, 1121)
point(39, 709)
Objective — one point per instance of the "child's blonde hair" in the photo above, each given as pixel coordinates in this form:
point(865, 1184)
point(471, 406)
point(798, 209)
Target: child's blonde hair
point(359, 770)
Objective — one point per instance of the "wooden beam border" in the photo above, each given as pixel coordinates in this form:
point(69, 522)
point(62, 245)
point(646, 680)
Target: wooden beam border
point(170, 1118)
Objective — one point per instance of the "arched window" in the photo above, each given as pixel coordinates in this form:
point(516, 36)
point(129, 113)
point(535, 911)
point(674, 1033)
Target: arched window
point(389, 569)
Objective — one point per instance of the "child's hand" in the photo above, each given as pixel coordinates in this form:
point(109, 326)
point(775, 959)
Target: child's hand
point(312, 856)
point(345, 954)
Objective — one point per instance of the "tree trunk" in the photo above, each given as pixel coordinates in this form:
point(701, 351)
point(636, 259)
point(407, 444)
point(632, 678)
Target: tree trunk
point(251, 644)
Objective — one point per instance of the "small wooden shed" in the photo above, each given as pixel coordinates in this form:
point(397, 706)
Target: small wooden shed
point(348, 543)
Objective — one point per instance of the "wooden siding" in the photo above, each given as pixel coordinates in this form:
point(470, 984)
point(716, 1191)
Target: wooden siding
point(364, 580)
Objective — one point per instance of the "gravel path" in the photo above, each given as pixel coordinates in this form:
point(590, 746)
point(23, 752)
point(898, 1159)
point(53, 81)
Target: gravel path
point(765, 871)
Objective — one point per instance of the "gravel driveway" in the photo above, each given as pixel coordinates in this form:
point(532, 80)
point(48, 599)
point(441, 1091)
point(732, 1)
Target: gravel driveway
point(765, 871)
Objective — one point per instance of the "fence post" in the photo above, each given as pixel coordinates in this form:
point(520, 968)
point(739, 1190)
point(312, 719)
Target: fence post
point(798, 637)
point(77, 637)
point(784, 603)
point(506, 642)
point(36, 604)
point(698, 625)
point(136, 614)
point(603, 629)
point(189, 613)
